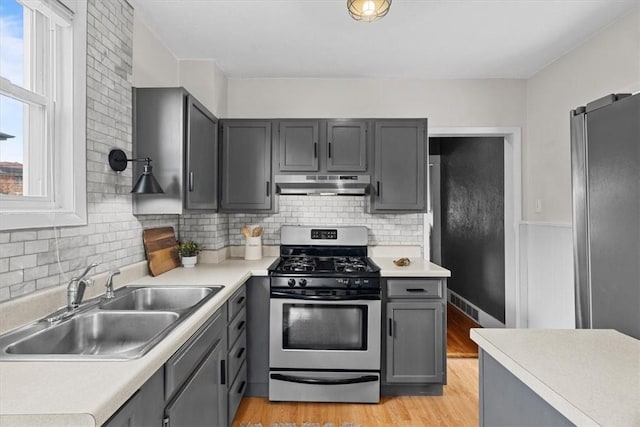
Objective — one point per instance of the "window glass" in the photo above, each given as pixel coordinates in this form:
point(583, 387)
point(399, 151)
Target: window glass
point(12, 53)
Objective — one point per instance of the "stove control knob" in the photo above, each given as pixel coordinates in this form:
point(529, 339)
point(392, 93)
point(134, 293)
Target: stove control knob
point(303, 282)
point(347, 282)
point(291, 282)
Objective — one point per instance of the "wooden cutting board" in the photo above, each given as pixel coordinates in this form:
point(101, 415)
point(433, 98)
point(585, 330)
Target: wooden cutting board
point(161, 248)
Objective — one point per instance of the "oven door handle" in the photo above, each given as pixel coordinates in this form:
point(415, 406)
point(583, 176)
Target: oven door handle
point(324, 381)
point(324, 297)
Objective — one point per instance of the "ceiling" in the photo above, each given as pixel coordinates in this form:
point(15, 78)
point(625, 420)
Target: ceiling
point(453, 39)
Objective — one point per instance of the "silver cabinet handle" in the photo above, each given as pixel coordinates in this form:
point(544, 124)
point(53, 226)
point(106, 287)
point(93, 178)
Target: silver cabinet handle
point(190, 180)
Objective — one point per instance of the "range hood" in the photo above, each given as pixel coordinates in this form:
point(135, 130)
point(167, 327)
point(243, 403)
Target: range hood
point(349, 185)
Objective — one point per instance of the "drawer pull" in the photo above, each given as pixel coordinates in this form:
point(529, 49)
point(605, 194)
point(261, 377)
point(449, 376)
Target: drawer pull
point(240, 325)
point(416, 290)
point(240, 353)
point(390, 327)
point(240, 300)
point(241, 388)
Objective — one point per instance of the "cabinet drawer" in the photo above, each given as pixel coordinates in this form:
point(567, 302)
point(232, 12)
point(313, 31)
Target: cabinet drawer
point(237, 303)
point(236, 392)
point(181, 364)
point(237, 355)
point(236, 327)
point(414, 288)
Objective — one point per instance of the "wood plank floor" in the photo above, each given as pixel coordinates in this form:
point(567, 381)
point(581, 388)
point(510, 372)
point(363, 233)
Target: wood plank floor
point(458, 342)
point(457, 407)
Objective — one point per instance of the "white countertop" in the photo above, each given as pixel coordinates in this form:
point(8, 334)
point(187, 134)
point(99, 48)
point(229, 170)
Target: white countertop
point(88, 393)
point(592, 377)
point(417, 268)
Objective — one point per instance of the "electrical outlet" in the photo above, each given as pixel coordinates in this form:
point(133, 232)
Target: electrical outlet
point(538, 205)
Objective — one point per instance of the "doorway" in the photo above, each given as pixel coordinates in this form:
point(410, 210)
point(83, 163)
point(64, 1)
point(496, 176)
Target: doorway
point(507, 311)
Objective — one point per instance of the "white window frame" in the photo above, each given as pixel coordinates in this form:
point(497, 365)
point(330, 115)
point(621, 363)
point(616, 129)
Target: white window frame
point(64, 101)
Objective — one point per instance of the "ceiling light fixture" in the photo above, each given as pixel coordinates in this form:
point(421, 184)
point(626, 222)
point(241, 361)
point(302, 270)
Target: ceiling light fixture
point(146, 184)
point(368, 10)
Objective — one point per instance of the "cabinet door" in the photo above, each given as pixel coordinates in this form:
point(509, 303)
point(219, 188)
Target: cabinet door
point(400, 166)
point(203, 399)
point(145, 408)
point(298, 146)
point(414, 342)
point(346, 146)
point(202, 158)
point(246, 166)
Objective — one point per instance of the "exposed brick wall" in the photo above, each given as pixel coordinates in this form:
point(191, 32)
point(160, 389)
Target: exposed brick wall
point(112, 238)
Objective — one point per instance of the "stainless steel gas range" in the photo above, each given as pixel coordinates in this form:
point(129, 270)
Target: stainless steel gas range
point(325, 317)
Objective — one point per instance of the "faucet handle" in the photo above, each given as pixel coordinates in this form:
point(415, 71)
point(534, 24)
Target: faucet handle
point(109, 284)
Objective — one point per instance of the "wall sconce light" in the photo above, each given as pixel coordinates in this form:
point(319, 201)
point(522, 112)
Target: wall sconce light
point(146, 184)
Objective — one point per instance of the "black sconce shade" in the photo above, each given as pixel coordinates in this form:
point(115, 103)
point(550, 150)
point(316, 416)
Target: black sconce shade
point(146, 184)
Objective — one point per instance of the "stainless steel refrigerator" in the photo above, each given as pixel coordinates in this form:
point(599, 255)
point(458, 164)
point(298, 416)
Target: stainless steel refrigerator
point(605, 167)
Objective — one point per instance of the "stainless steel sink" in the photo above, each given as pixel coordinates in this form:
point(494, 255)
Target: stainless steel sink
point(97, 334)
point(159, 298)
point(123, 328)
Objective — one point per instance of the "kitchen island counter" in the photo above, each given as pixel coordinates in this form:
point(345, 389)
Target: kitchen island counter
point(590, 377)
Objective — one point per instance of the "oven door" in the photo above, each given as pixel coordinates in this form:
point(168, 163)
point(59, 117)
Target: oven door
point(322, 333)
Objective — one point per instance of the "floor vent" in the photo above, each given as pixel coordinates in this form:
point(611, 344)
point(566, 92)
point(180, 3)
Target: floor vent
point(470, 310)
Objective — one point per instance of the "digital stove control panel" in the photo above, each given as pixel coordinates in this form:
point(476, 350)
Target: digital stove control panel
point(324, 234)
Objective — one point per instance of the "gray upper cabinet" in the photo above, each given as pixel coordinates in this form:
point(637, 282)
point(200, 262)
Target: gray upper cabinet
point(399, 177)
point(245, 155)
point(346, 146)
point(202, 155)
point(179, 135)
point(298, 145)
point(338, 145)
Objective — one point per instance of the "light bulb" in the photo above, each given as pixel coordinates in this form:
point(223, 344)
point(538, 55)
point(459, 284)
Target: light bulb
point(368, 8)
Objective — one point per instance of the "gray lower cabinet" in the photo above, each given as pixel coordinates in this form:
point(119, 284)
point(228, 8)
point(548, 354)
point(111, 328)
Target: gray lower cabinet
point(196, 378)
point(144, 408)
point(203, 398)
point(258, 337)
point(180, 136)
point(236, 351)
point(399, 176)
point(415, 331)
point(245, 162)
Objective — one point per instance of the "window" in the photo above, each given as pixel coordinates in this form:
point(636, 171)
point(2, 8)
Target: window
point(42, 118)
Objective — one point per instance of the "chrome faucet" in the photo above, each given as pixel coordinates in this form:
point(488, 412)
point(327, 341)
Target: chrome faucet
point(76, 287)
point(109, 294)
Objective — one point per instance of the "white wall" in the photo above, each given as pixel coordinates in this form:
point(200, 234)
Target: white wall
point(546, 275)
point(205, 81)
point(608, 63)
point(444, 102)
point(153, 64)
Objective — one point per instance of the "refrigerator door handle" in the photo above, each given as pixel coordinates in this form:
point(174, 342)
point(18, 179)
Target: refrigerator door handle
point(579, 182)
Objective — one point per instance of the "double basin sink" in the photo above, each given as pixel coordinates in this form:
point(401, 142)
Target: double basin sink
point(121, 328)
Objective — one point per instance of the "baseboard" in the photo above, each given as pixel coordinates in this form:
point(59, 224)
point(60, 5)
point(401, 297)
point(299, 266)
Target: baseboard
point(411, 390)
point(257, 390)
point(473, 312)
